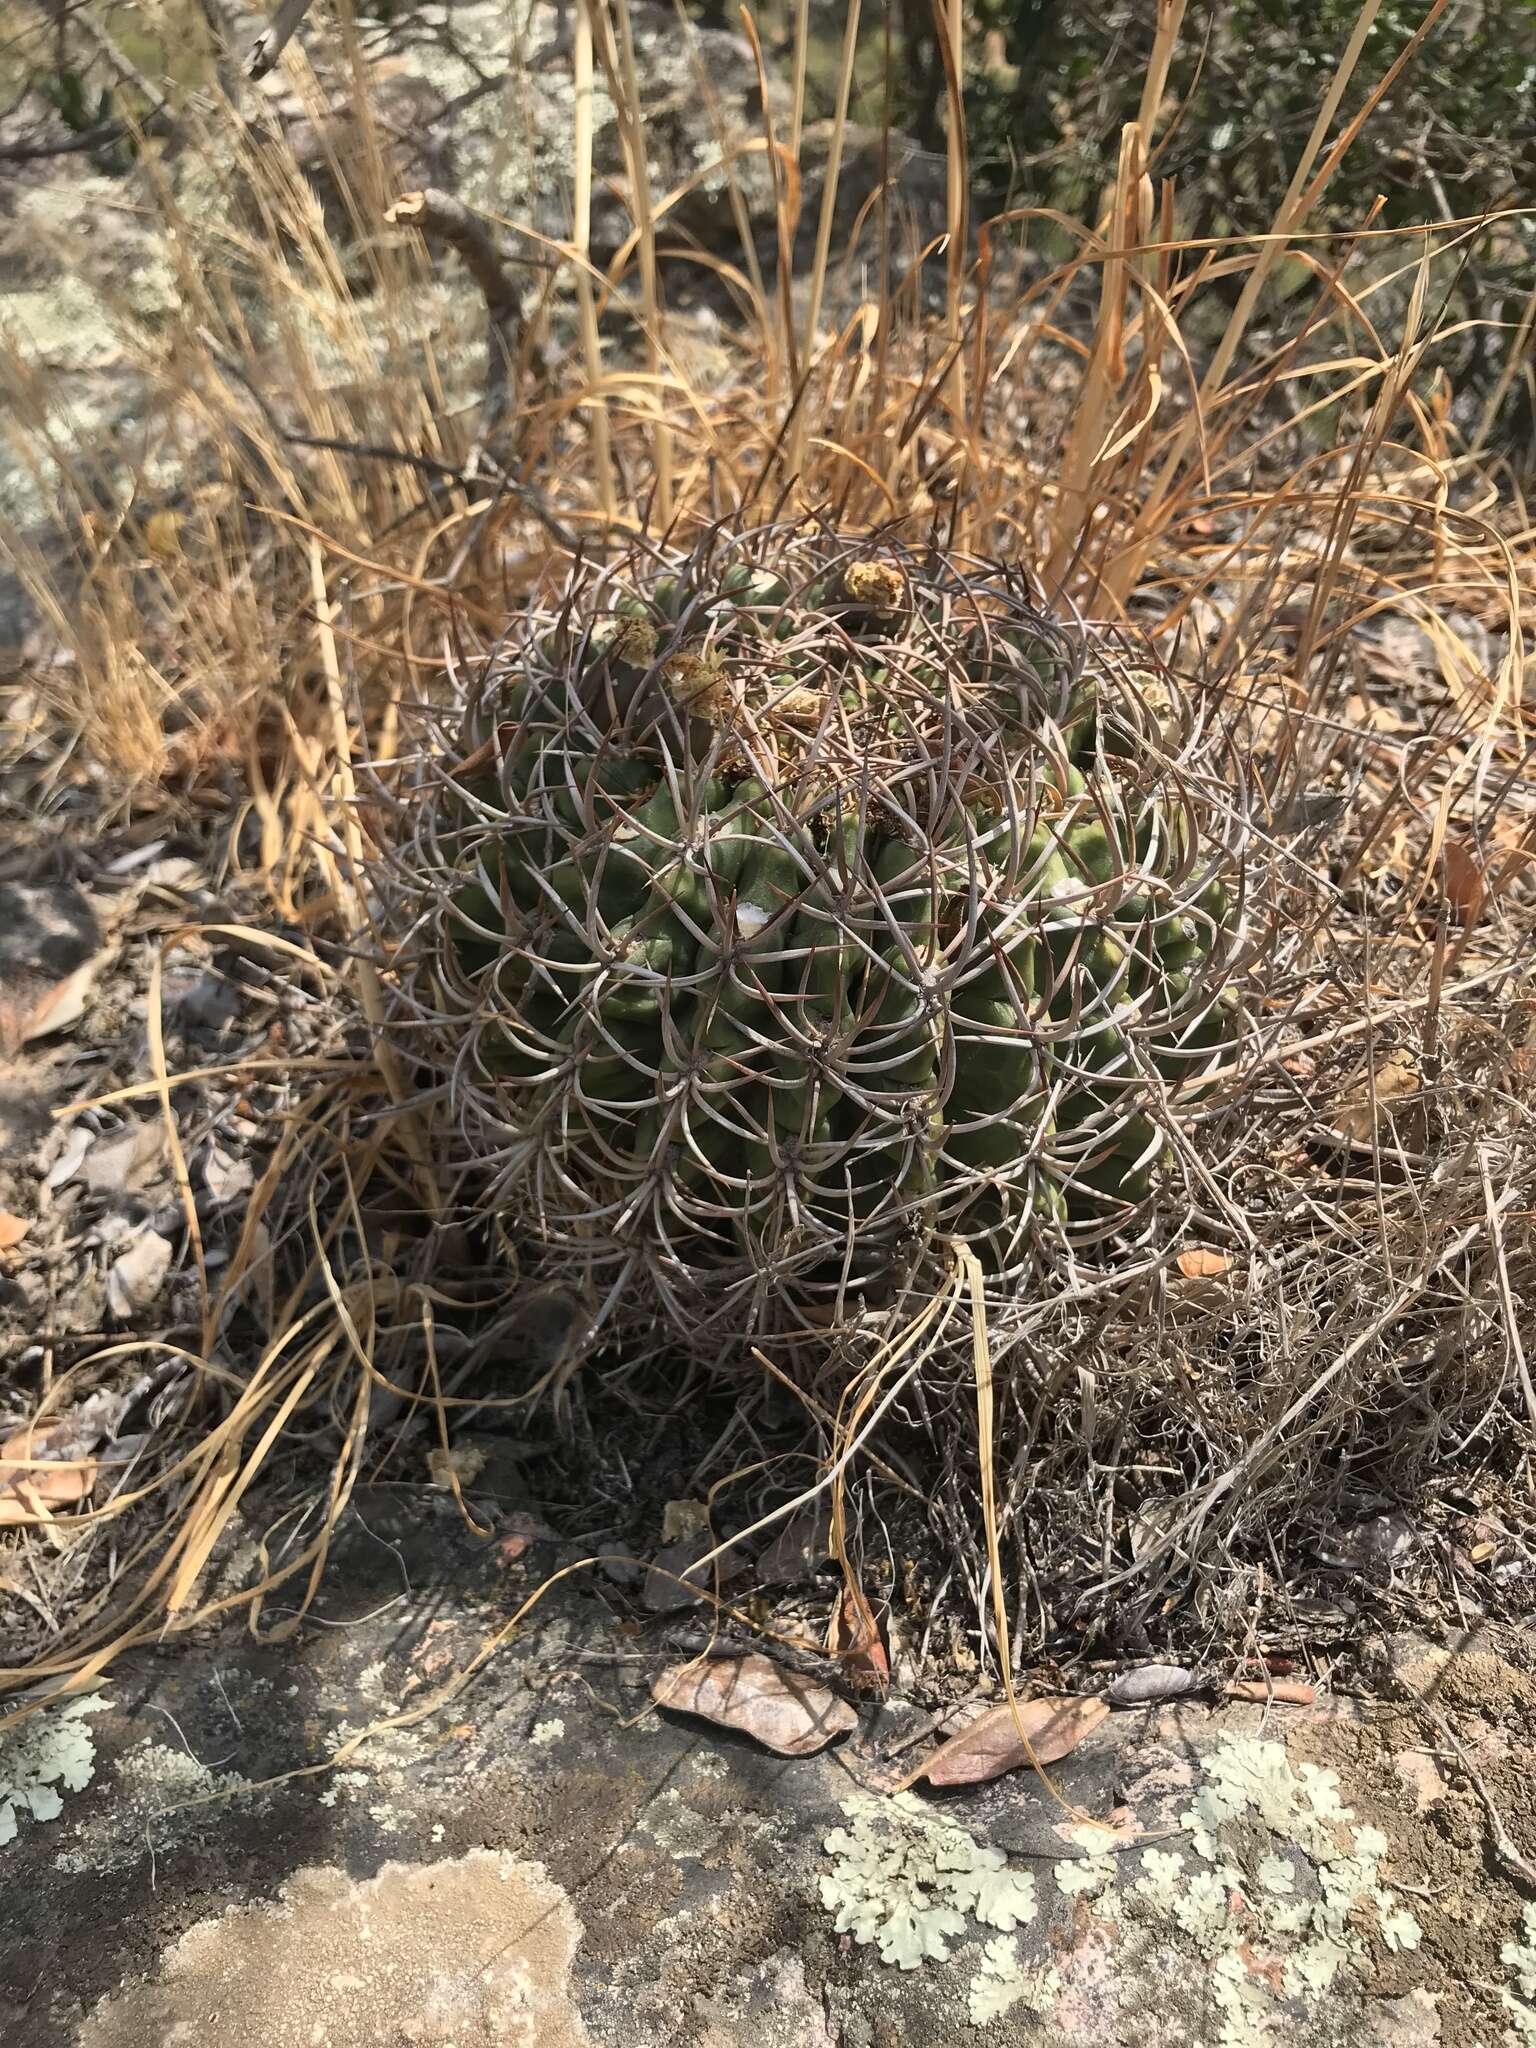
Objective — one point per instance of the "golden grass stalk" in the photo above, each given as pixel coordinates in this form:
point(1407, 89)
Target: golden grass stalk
point(581, 240)
point(801, 49)
point(619, 58)
point(949, 22)
point(828, 213)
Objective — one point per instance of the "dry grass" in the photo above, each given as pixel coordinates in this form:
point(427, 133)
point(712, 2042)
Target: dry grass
point(241, 629)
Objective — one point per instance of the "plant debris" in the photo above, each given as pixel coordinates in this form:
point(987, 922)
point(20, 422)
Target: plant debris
point(1147, 1683)
point(788, 1714)
point(1004, 1739)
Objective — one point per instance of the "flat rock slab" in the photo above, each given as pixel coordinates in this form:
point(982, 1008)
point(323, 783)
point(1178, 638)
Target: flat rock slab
point(327, 1840)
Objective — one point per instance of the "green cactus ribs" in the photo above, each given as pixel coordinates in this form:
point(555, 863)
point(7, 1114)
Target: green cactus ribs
point(800, 904)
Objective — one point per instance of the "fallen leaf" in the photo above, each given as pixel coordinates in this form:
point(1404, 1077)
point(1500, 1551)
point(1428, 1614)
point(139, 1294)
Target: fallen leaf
point(225, 1178)
point(463, 1462)
point(993, 1744)
point(515, 1534)
point(804, 1543)
point(74, 1145)
point(790, 1715)
point(1151, 1682)
point(137, 1277)
point(1466, 880)
point(24, 1489)
point(50, 955)
point(854, 1636)
point(12, 1230)
point(1371, 1104)
point(1200, 1262)
point(680, 1518)
point(1285, 1692)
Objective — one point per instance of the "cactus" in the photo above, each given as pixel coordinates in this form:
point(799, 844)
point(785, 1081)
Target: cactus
point(799, 904)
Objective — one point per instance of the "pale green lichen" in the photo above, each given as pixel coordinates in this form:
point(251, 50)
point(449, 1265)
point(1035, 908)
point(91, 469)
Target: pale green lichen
point(910, 1882)
point(48, 1751)
point(1004, 1981)
point(1249, 1781)
point(1242, 2004)
point(1519, 1959)
point(1260, 1833)
point(1162, 1872)
point(1276, 1874)
point(1202, 1908)
point(1272, 1883)
point(1091, 1876)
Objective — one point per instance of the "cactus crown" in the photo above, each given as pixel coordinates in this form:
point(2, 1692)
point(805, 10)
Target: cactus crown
point(799, 904)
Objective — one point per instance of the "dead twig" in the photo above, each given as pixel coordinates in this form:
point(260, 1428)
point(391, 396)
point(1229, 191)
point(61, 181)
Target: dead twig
point(275, 37)
point(442, 218)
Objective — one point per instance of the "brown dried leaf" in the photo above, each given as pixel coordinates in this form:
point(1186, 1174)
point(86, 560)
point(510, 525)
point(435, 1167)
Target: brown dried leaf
point(1465, 878)
point(790, 1715)
point(25, 1488)
point(12, 1230)
point(855, 1636)
point(992, 1744)
point(1200, 1262)
point(1396, 1077)
point(1285, 1692)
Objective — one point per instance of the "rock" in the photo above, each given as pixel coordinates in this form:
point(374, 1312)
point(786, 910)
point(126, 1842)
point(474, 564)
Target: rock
point(138, 1275)
point(127, 1161)
point(1421, 1774)
point(50, 952)
point(693, 1890)
point(470, 1953)
point(1412, 2021)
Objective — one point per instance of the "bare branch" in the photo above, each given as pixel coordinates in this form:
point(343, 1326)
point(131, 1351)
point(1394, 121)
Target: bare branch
point(69, 145)
point(275, 37)
point(442, 218)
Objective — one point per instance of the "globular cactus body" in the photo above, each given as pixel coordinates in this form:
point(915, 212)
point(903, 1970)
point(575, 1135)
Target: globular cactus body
point(800, 906)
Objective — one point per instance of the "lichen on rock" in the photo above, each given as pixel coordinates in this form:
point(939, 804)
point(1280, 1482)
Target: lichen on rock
point(910, 1881)
point(41, 1758)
